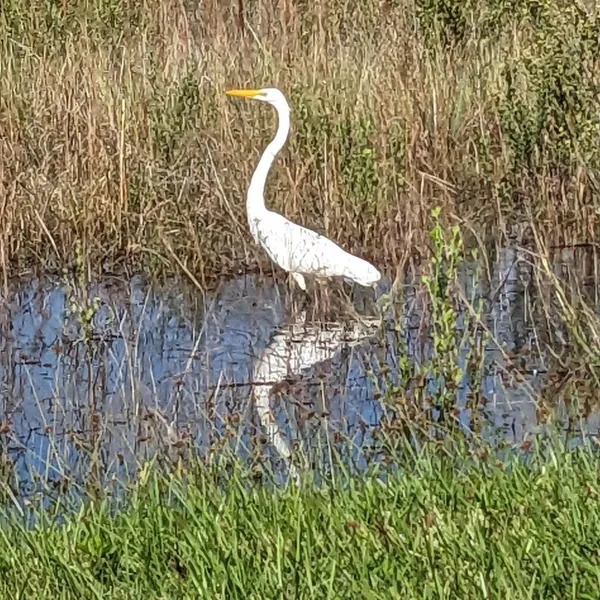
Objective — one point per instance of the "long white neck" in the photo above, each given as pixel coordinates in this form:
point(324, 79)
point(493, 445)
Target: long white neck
point(255, 202)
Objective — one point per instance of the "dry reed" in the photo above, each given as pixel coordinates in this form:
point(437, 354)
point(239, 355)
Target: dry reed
point(119, 149)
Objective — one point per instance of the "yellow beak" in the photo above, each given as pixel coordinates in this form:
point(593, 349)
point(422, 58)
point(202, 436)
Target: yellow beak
point(244, 93)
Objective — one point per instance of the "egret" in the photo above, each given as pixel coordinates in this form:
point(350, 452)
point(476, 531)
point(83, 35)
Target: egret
point(296, 249)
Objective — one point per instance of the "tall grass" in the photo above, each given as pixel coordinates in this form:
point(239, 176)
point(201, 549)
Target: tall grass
point(116, 137)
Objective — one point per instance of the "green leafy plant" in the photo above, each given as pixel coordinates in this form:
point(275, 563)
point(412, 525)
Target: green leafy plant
point(81, 304)
point(452, 362)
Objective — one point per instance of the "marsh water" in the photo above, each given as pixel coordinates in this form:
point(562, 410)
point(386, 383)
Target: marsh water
point(165, 370)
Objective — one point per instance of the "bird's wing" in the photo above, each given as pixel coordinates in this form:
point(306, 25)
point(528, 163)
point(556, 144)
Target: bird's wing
point(298, 249)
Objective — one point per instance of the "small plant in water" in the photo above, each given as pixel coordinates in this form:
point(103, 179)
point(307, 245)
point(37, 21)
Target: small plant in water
point(446, 372)
point(80, 304)
point(450, 366)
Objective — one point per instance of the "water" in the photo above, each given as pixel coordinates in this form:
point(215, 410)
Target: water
point(170, 369)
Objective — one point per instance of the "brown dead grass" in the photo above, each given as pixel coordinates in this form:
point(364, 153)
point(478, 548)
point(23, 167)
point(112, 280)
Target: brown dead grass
point(118, 148)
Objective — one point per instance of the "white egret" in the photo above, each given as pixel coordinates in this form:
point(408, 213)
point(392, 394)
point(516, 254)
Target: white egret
point(295, 249)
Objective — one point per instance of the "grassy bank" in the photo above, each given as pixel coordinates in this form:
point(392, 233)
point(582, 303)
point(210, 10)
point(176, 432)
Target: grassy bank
point(119, 148)
point(439, 530)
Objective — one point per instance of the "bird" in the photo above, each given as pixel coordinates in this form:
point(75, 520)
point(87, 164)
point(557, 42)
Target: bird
point(296, 249)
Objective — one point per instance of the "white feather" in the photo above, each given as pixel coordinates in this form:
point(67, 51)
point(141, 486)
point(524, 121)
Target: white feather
point(296, 249)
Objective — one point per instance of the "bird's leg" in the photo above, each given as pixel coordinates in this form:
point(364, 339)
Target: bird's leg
point(318, 305)
point(299, 279)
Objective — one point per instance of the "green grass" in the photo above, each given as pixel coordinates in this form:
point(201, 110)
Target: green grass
point(440, 530)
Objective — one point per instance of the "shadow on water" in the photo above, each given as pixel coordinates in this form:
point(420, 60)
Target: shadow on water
point(166, 372)
point(294, 348)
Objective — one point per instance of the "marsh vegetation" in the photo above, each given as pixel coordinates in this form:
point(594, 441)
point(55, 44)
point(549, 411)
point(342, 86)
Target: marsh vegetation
point(450, 451)
point(119, 147)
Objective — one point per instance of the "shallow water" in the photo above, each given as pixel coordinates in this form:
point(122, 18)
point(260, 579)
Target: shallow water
point(167, 369)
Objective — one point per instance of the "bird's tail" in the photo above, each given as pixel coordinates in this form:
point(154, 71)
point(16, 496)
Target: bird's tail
point(361, 271)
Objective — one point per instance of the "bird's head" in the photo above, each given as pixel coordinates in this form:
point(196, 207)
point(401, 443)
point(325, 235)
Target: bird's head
point(271, 95)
